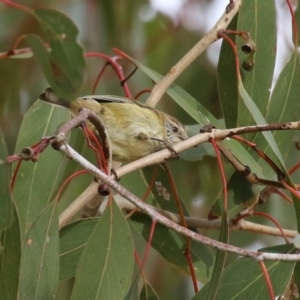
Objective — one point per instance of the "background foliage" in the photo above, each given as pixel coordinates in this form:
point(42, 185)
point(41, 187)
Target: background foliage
point(157, 42)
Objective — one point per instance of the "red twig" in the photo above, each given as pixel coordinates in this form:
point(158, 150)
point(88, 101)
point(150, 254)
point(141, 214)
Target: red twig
point(118, 69)
point(291, 189)
point(138, 261)
point(260, 153)
point(67, 181)
point(13, 179)
point(214, 144)
point(283, 195)
point(148, 246)
point(142, 92)
point(222, 34)
point(99, 77)
point(258, 213)
point(294, 168)
point(268, 280)
point(16, 5)
point(90, 136)
point(294, 23)
point(184, 224)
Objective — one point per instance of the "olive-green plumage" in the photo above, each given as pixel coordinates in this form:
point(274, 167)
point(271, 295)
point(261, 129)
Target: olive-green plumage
point(135, 129)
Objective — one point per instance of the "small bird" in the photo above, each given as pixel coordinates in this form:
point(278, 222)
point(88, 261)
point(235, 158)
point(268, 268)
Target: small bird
point(135, 129)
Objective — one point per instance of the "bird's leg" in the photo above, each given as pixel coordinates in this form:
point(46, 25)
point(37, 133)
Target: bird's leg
point(168, 145)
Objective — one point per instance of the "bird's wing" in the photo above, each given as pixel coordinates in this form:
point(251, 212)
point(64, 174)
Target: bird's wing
point(108, 98)
point(115, 99)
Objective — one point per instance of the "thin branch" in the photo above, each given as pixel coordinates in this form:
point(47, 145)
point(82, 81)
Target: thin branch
point(162, 155)
point(218, 134)
point(185, 61)
point(204, 223)
point(154, 215)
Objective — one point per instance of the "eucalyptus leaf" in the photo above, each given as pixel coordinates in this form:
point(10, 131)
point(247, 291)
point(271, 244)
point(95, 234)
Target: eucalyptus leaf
point(6, 206)
point(107, 259)
point(220, 260)
point(40, 257)
point(10, 258)
point(37, 183)
point(244, 279)
point(64, 64)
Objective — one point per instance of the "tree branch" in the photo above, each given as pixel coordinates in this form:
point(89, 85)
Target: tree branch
point(160, 88)
point(154, 215)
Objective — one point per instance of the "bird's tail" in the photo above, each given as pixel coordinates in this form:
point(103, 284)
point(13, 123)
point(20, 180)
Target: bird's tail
point(50, 97)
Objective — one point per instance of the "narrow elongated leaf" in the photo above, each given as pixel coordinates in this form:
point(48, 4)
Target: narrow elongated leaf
point(6, 207)
point(37, 183)
point(284, 106)
point(63, 64)
point(259, 19)
point(40, 258)
point(284, 103)
point(260, 120)
point(220, 260)
point(10, 261)
point(106, 264)
point(244, 279)
point(227, 81)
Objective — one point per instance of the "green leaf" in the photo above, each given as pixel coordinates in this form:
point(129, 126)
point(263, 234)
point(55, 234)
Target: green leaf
point(70, 248)
point(259, 18)
point(64, 64)
point(244, 156)
point(10, 261)
point(37, 183)
point(284, 102)
point(220, 261)
point(227, 81)
point(6, 207)
point(244, 279)
point(260, 120)
point(283, 113)
point(40, 257)
point(284, 106)
point(106, 264)
point(171, 247)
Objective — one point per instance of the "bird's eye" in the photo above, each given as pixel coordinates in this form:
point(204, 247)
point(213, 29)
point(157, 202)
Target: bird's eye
point(175, 129)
